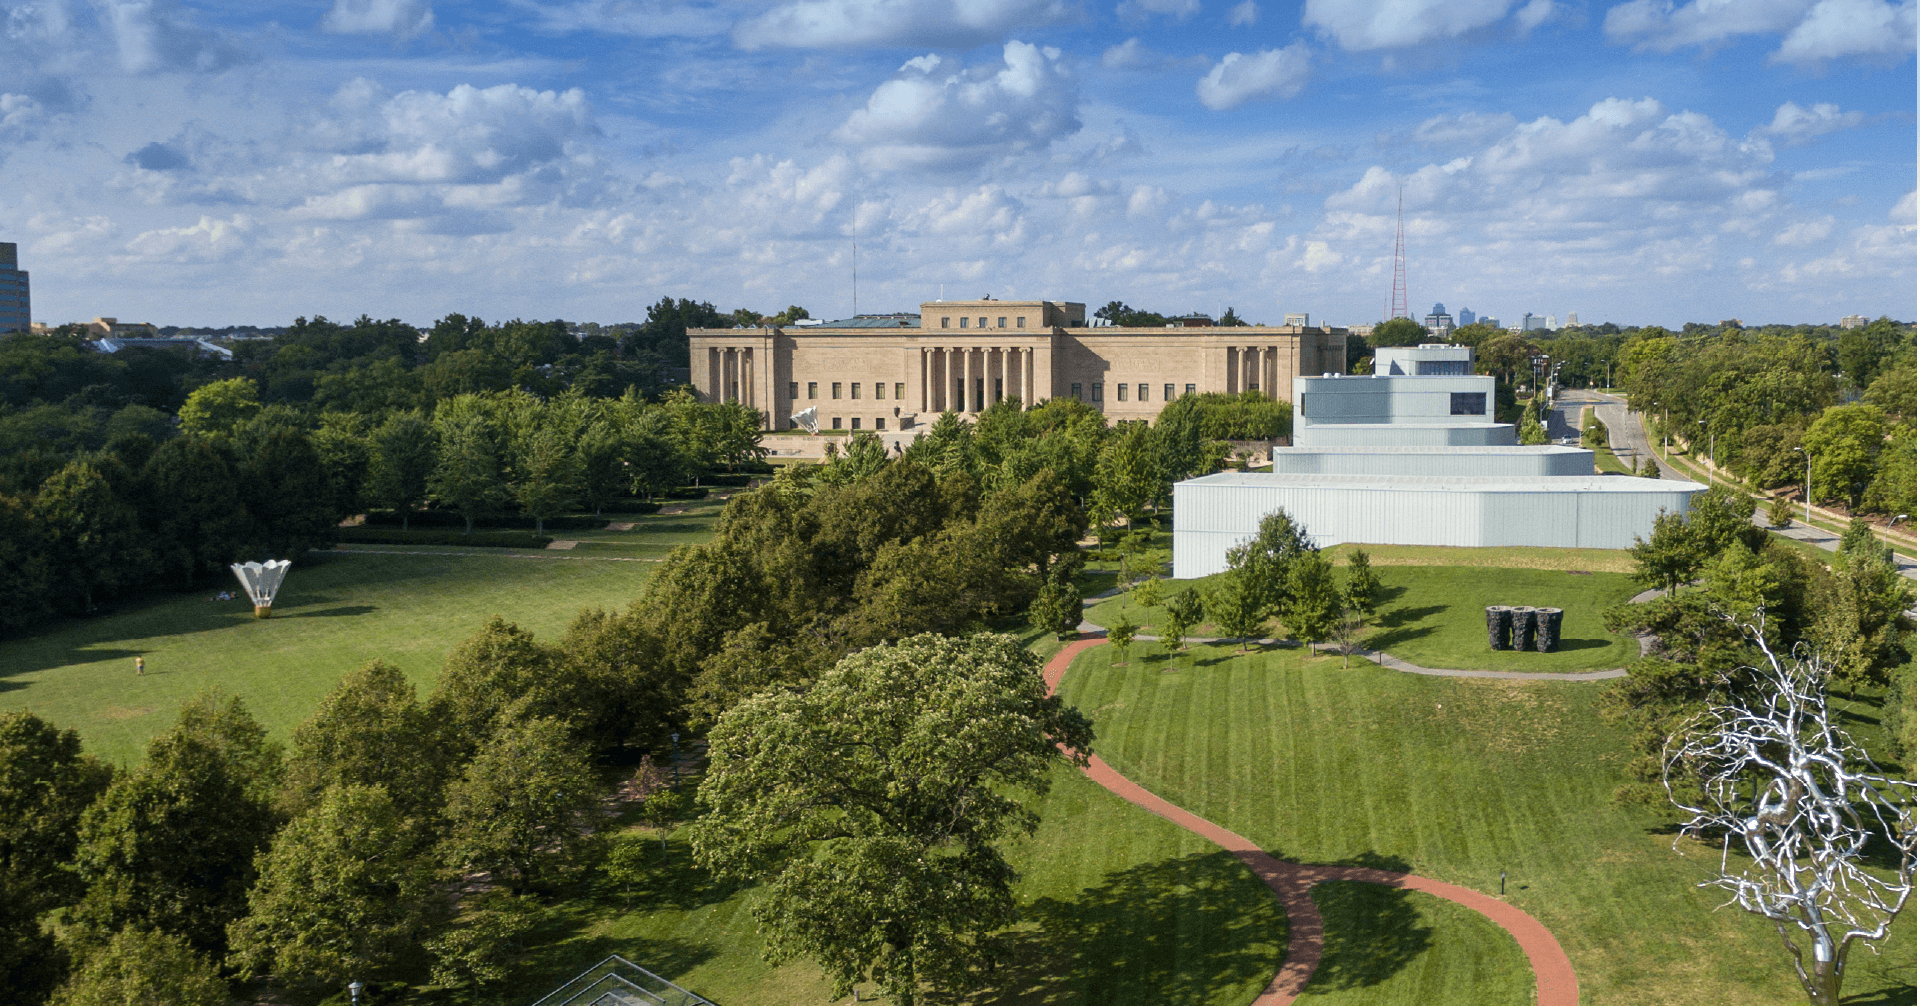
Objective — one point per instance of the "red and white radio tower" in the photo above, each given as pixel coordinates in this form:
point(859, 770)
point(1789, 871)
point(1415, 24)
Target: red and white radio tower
point(1397, 295)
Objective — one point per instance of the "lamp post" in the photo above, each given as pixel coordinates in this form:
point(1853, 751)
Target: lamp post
point(1809, 455)
point(676, 761)
point(1710, 481)
point(353, 989)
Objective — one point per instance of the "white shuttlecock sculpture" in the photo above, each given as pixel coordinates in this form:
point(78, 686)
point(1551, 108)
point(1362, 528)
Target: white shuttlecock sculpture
point(808, 419)
point(262, 581)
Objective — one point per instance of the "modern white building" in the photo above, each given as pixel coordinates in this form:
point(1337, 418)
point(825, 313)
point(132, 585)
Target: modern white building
point(1217, 512)
point(1377, 411)
point(1401, 459)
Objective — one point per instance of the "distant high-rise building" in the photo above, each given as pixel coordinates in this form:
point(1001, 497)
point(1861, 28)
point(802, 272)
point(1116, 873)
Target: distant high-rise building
point(1294, 320)
point(16, 302)
point(1440, 323)
point(1850, 321)
point(1467, 317)
point(1573, 320)
point(1530, 322)
point(1489, 321)
point(1552, 323)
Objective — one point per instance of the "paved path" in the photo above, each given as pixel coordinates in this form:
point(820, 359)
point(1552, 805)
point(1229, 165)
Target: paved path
point(1292, 883)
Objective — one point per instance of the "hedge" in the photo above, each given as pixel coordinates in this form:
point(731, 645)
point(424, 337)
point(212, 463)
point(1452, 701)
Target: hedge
point(478, 539)
point(450, 518)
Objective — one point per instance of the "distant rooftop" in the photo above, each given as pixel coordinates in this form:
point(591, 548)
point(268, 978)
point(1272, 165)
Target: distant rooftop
point(897, 320)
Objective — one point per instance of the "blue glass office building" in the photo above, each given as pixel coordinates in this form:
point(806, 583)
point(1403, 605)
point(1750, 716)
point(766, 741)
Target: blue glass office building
point(16, 306)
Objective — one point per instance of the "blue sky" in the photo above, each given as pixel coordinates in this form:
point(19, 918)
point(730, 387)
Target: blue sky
point(1646, 162)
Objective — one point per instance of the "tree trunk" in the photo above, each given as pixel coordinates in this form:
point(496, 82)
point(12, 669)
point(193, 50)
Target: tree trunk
point(539, 525)
point(404, 515)
point(469, 518)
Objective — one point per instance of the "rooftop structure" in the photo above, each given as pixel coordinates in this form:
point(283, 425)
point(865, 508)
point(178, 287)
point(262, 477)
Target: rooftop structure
point(1336, 411)
point(1429, 359)
point(16, 298)
point(1850, 321)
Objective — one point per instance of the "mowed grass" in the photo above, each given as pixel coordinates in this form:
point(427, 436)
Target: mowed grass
point(336, 611)
point(1458, 780)
point(1115, 902)
point(1435, 616)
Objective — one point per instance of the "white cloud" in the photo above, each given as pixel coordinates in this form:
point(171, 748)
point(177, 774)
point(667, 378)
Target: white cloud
point(837, 23)
point(206, 241)
point(1805, 232)
point(1815, 31)
point(155, 35)
point(1836, 28)
point(1533, 15)
point(1799, 126)
point(1270, 73)
point(1131, 55)
point(1135, 10)
point(640, 18)
point(403, 18)
point(1469, 128)
point(1382, 24)
point(469, 135)
point(937, 113)
point(1243, 14)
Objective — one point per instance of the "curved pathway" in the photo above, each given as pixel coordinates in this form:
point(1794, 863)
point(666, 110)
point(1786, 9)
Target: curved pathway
point(1553, 977)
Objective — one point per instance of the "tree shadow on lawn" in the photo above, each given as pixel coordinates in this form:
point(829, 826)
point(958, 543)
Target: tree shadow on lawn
point(1172, 932)
point(340, 612)
point(1373, 931)
point(1406, 615)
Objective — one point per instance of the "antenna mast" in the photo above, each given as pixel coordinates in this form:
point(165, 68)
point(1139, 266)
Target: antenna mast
point(1397, 294)
point(856, 260)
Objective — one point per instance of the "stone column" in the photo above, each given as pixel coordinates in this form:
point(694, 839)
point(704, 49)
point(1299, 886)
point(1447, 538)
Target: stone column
point(966, 379)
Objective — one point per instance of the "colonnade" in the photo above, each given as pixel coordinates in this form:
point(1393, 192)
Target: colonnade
point(1257, 367)
point(971, 378)
point(732, 375)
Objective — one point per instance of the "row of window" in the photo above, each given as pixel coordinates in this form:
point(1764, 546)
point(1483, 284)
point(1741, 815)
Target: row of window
point(1143, 394)
point(1018, 322)
point(853, 390)
point(879, 423)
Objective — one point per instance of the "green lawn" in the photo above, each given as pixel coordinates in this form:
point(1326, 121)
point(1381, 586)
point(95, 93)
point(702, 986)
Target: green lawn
point(335, 612)
point(1458, 780)
point(1435, 616)
point(1116, 901)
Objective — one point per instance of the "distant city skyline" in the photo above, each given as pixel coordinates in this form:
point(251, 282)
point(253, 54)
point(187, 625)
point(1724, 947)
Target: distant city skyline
point(1655, 163)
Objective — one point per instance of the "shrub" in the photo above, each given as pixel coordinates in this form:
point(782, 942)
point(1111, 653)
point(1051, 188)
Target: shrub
point(478, 539)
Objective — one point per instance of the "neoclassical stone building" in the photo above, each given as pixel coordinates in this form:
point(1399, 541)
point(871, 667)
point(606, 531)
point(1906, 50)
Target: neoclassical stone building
point(897, 372)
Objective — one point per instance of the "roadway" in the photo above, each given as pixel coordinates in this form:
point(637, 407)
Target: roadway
point(1627, 436)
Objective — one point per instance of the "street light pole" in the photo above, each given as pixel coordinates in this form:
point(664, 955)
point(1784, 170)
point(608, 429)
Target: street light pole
point(1809, 500)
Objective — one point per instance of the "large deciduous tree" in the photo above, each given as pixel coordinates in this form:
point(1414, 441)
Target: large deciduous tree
point(523, 809)
point(468, 475)
point(340, 894)
point(370, 730)
point(145, 966)
point(402, 454)
point(871, 804)
point(171, 844)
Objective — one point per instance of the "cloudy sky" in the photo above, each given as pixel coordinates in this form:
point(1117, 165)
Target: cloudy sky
point(1651, 161)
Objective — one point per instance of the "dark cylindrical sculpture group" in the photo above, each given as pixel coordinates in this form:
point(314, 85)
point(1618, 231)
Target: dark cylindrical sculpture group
point(1523, 628)
point(1546, 629)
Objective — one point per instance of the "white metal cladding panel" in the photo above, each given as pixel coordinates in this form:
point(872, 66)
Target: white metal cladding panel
point(1209, 519)
point(1517, 463)
point(1407, 435)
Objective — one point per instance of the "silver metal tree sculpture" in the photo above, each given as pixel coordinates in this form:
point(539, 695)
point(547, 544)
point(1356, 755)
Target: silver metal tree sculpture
point(262, 582)
point(1773, 772)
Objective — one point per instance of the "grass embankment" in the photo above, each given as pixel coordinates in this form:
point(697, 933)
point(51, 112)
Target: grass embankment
point(1458, 780)
point(1603, 457)
point(335, 612)
point(1435, 616)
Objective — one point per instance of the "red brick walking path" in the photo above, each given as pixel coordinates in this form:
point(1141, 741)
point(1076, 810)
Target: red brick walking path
point(1553, 978)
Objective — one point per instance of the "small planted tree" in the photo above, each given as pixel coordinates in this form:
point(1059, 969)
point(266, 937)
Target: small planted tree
point(1359, 599)
point(1183, 613)
point(1235, 605)
point(1120, 634)
point(1780, 511)
point(1313, 602)
point(1147, 593)
point(1649, 469)
point(1057, 610)
point(1772, 771)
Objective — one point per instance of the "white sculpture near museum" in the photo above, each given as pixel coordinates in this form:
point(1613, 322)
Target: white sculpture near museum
point(262, 581)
